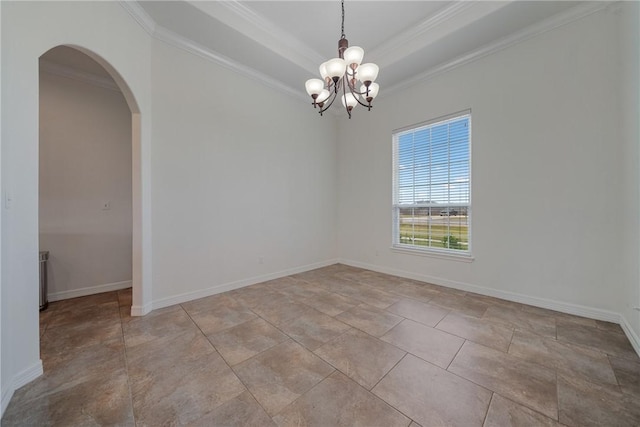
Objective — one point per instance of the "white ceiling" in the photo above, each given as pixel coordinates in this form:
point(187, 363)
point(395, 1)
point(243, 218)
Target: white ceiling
point(284, 42)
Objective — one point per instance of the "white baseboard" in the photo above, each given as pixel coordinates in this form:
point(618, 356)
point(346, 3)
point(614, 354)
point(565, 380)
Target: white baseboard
point(189, 296)
point(564, 307)
point(630, 333)
point(91, 290)
point(22, 378)
point(7, 394)
point(141, 310)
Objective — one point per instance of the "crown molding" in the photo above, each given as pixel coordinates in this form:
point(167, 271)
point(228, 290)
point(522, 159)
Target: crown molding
point(251, 24)
point(163, 34)
point(423, 29)
point(82, 76)
point(416, 32)
point(558, 20)
point(140, 15)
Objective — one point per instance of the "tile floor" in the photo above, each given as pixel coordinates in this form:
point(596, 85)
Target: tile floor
point(337, 346)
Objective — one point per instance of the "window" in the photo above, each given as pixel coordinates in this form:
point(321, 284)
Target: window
point(432, 186)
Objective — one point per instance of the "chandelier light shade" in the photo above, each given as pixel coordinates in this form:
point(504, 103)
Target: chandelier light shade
point(340, 77)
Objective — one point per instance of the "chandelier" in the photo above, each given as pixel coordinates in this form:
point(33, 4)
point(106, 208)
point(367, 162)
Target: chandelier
point(341, 76)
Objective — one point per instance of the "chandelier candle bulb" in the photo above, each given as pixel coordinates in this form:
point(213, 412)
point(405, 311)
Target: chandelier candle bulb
point(341, 75)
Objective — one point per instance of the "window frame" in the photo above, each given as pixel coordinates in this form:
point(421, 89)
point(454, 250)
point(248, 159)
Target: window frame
point(446, 253)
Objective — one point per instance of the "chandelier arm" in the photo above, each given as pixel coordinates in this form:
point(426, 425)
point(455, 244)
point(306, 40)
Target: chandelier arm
point(353, 92)
point(353, 89)
point(333, 98)
point(344, 93)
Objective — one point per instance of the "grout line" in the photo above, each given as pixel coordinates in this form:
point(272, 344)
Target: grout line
point(484, 421)
point(389, 371)
point(227, 363)
point(456, 355)
point(557, 397)
point(126, 364)
point(301, 395)
point(513, 334)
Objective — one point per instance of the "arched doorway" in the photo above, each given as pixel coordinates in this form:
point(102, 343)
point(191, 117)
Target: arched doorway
point(86, 67)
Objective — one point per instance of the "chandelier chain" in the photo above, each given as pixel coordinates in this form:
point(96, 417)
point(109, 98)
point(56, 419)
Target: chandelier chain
point(343, 36)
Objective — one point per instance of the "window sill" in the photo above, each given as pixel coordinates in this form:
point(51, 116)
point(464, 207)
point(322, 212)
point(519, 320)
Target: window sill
point(433, 254)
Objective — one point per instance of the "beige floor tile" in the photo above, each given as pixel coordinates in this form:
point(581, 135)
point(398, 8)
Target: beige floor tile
point(337, 285)
point(282, 283)
point(209, 303)
point(281, 374)
point(172, 380)
point(627, 372)
point(221, 318)
point(84, 302)
point(425, 342)
point(66, 366)
point(338, 401)
point(100, 401)
point(72, 337)
point(540, 324)
point(507, 413)
point(481, 331)
point(242, 410)
point(583, 403)
point(611, 343)
point(104, 313)
point(467, 306)
point(369, 319)
point(418, 311)
point(498, 302)
point(162, 323)
point(568, 358)
point(432, 396)
point(280, 310)
point(313, 329)
point(361, 357)
point(330, 303)
point(559, 316)
point(523, 382)
point(609, 326)
point(369, 295)
point(300, 290)
point(252, 296)
point(244, 341)
point(92, 348)
point(125, 297)
point(378, 280)
point(415, 291)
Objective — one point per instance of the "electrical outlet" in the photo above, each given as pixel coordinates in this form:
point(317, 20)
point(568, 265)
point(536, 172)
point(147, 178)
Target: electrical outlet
point(8, 200)
point(106, 205)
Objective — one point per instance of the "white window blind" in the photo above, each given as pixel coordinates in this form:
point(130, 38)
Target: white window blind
point(432, 185)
